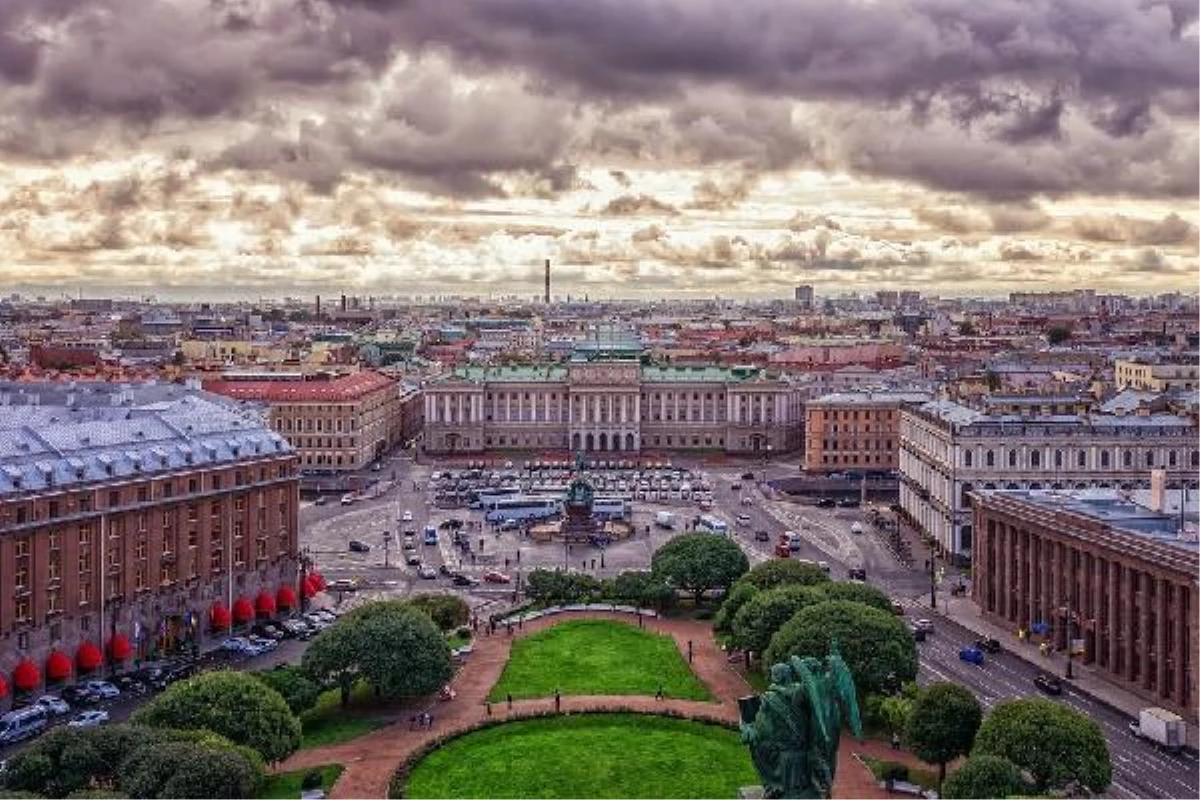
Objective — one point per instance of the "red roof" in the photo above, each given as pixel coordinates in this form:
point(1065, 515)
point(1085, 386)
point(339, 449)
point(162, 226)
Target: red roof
point(348, 387)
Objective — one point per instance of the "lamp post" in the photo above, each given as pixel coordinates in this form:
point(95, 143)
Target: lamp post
point(932, 562)
point(387, 546)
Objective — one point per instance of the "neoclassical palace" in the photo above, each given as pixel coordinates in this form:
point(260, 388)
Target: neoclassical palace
point(613, 406)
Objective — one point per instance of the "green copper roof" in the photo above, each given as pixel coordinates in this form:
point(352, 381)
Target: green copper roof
point(650, 374)
point(513, 374)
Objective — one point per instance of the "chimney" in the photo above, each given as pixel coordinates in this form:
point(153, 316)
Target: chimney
point(1158, 490)
point(547, 298)
point(318, 306)
point(343, 303)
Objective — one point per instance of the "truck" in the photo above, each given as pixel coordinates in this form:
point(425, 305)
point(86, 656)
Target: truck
point(1164, 728)
point(665, 519)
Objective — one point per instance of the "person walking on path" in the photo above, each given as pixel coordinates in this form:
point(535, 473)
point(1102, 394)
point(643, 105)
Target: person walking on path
point(557, 701)
point(659, 694)
point(510, 701)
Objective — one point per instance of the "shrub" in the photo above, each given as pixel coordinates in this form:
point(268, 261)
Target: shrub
point(984, 776)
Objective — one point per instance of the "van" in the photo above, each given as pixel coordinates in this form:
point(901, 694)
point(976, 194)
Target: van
point(431, 534)
point(18, 725)
point(664, 519)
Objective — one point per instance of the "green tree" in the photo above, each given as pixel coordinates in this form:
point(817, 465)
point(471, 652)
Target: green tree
point(983, 777)
point(298, 690)
point(448, 611)
point(766, 612)
point(877, 647)
point(393, 646)
point(741, 593)
point(1058, 334)
point(856, 592)
point(189, 769)
point(896, 710)
point(943, 724)
point(1055, 743)
point(698, 562)
point(640, 588)
point(782, 571)
point(233, 704)
point(550, 587)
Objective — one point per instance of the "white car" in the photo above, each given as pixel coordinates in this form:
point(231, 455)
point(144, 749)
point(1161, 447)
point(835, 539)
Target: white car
point(427, 572)
point(407, 517)
point(347, 499)
point(262, 643)
point(102, 690)
point(743, 519)
point(237, 644)
point(52, 704)
point(89, 719)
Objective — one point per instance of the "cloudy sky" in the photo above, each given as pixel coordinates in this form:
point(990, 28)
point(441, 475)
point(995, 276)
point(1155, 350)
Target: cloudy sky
point(194, 148)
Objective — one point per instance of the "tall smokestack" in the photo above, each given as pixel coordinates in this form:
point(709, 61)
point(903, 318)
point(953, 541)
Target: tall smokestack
point(318, 306)
point(547, 299)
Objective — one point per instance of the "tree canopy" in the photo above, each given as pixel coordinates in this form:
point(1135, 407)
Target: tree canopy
point(391, 645)
point(983, 777)
point(780, 571)
point(448, 611)
point(943, 724)
point(1055, 743)
point(741, 593)
point(235, 705)
point(551, 587)
point(299, 691)
point(639, 588)
point(698, 562)
point(877, 647)
point(766, 612)
point(857, 592)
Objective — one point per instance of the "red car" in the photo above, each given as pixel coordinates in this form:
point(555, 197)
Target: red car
point(492, 576)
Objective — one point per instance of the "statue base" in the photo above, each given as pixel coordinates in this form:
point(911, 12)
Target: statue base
point(750, 793)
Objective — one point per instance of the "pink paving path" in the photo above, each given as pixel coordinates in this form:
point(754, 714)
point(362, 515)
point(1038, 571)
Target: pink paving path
point(371, 760)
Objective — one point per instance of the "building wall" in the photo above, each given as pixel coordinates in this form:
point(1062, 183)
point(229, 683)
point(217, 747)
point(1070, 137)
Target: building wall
point(82, 564)
point(940, 464)
point(1156, 377)
point(1133, 602)
point(342, 435)
point(849, 435)
point(611, 409)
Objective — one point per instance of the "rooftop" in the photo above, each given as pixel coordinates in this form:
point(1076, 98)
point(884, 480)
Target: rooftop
point(338, 390)
point(57, 435)
point(871, 398)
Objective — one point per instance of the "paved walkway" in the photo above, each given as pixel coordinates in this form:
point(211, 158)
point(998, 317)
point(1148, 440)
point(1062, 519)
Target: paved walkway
point(372, 759)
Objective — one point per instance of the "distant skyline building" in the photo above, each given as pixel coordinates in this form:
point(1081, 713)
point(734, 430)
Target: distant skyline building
point(547, 297)
point(804, 296)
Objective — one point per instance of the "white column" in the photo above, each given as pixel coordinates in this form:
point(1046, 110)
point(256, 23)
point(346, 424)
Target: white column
point(429, 408)
point(508, 406)
point(445, 408)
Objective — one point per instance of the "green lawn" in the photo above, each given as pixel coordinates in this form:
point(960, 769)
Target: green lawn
point(287, 784)
point(588, 755)
point(596, 657)
point(329, 723)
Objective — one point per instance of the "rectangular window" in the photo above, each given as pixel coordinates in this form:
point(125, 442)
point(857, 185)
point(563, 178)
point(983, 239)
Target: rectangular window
point(22, 610)
point(139, 578)
point(85, 594)
point(54, 601)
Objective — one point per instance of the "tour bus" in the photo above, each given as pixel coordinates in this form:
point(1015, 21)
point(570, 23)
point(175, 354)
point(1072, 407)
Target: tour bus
point(713, 524)
point(486, 498)
point(610, 508)
point(521, 508)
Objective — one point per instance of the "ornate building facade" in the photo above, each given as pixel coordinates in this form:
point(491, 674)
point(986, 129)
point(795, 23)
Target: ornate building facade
point(135, 521)
point(613, 406)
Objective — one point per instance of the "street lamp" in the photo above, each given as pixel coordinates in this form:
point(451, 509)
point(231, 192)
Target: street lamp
point(932, 564)
point(387, 545)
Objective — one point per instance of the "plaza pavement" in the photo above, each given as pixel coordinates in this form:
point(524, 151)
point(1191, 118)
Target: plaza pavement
point(371, 760)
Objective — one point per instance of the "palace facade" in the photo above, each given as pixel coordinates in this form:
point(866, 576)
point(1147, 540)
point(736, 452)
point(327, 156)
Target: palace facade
point(613, 406)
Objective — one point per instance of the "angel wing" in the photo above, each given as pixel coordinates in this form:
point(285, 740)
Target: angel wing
point(843, 686)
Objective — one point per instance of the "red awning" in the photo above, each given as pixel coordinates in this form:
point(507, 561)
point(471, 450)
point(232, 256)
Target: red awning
point(308, 588)
point(286, 597)
point(89, 657)
point(3, 687)
point(26, 676)
point(318, 581)
point(242, 611)
point(218, 616)
point(264, 604)
point(119, 648)
point(58, 666)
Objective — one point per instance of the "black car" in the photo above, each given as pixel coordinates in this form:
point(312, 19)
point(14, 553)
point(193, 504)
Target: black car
point(77, 695)
point(988, 645)
point(762, 536)
point(857, 574)
point(180, 671)
point(848, 502)
point(412, 559)
point(359, 547)
point(267, 631)
point(1048, 683)
point(747, 476)
point(443, 570)
point(737, 487)
point(464, 580)
point(826, 502)
point(131, 683)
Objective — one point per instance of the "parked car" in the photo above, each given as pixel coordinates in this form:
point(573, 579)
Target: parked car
point(848, 502)
point(407, 516)
point(427, 572)
point(359, 547)
point(297, 629)
point(989, 645)
point(856, 574)
point(344, 585)
point(762, 536)
point(235, 644)
point(77, 695)
point(55, 706)
point(465, 580)
point(924, 625)
point(1048, 683)
point(131, 683)
point(262, 643)
point(742, 519)
point(89, 719)
point(347, 499)
point(412, 559)
point(737, 487)
point(321, 500)
point(22, 724)
point(826, 502)
point(102, 690)
point(747, 476)
point(897, 609)
point(972, 655)
point(324, 614)
point(493, 576)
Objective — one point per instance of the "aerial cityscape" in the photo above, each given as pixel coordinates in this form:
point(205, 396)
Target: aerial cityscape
point(633, 398)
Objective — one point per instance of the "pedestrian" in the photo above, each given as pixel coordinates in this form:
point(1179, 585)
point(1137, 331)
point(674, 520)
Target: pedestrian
point(659, 694)
point(488, 707)
point(895, 740)
point(557, 701)
point(509, 626)
point(509, 699)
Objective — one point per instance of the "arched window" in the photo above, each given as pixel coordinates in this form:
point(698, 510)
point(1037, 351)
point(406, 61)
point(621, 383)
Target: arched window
point(1081, 458)
point(968, 458)
point(1058, 459)
point(1104, 459)
point(1012, 458)
point(1035, 459)
point(1127, 458)
point(990, 458)
point(1171, 458)
point(1149, 458)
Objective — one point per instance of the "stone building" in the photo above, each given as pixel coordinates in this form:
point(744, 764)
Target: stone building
point(612, 406)
point(948, 450)
point(336, 425)
point(134, 521)
point(856, 431)
point(1112, 578)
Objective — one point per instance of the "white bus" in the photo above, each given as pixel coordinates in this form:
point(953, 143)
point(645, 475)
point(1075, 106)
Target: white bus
point(522, 508)
point(713, 524)
point(610, 508)
point(486, 498)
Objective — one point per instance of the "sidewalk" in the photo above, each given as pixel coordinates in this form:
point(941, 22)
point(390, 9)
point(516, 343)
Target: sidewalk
point(1088, 679)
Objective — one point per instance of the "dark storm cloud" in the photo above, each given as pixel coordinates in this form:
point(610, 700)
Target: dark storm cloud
point(637, 205)
point(1170, 230)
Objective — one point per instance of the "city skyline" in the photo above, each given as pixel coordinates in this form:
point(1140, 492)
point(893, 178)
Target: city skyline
point(678, 148)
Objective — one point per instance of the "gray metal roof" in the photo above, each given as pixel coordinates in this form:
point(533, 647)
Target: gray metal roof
point(54, 436)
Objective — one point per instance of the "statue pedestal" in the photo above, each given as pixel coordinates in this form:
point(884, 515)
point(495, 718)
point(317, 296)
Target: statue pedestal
point(750, 793)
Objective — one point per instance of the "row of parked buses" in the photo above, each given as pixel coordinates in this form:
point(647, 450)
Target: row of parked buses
point(503, 506)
